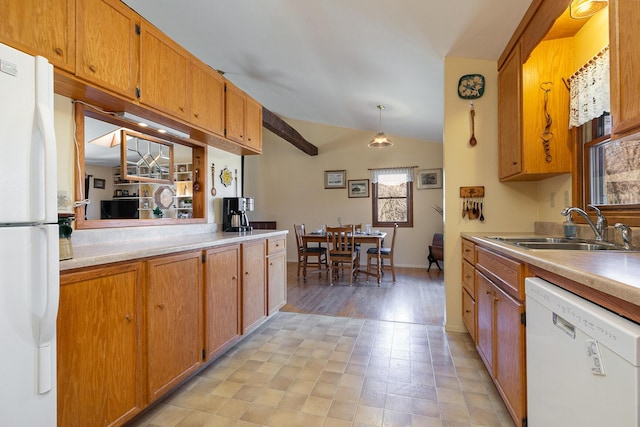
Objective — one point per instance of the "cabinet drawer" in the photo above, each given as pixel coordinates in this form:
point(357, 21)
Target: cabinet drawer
point(507, 273)
point(275, 245)
point(468, 249)
point(469, 313)
point(467, 277)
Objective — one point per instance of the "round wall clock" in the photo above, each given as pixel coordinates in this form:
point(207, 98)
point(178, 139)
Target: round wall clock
point(471, 86)
point(226, 177)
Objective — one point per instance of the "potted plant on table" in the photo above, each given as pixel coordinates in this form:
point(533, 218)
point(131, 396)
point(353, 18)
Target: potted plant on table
point(157, 212)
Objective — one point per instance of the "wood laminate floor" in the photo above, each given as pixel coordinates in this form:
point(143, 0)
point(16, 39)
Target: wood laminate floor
point(417, 296)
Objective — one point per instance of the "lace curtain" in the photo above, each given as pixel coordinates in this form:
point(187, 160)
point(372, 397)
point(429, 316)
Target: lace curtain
point(589, 90)
point(405, 174)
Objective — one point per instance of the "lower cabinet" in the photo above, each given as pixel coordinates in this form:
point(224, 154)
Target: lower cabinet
point(174, 320)
point(222, 305)
point(129, 333)
point(276, 274)
point(100, 381)
point(254, 281)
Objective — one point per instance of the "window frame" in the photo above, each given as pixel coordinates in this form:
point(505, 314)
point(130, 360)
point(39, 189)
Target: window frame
point(581, 185)
point(374, 205)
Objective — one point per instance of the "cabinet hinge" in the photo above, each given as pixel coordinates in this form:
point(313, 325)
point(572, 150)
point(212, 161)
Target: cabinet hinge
point(523, 318)
point(204, 354)
point(225, 131)
point(138, 29)
point(204, 258)
point(524, 422)
point(137, 92)
point(225, 88)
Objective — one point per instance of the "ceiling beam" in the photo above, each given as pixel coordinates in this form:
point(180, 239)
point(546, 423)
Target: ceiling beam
point(281, 128)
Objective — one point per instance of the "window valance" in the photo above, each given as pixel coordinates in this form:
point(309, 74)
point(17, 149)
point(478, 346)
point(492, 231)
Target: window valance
point(405, 173)
point(589, 90)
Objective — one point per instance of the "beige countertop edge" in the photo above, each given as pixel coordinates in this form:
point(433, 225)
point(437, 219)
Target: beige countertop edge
point(98, 254)
point(614, 273)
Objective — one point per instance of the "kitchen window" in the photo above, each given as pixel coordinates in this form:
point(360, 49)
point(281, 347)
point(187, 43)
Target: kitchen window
point(392, 200)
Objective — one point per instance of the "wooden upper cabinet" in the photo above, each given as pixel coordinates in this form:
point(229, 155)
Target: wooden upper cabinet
point(234, 113)
point(107, 45)
point(253, 124)
point(163, 73)
point(207, 97)
point(534, 108)
point(39, 27)
point(510, 115)
point(624, 56)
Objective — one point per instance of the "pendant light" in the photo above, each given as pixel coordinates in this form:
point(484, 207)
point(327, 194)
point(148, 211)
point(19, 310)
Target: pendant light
point(380, 140)
point(580, 9)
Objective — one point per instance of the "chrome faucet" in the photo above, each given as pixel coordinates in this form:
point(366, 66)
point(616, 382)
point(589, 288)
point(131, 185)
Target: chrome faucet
point(599, 228)
point(626, 234)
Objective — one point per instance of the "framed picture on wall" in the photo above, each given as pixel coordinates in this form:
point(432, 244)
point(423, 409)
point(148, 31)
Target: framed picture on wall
point(429, 179)
point(98, 183)
point(358, 188)
point(335, 179)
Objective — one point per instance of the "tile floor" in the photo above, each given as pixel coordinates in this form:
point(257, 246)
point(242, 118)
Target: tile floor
point(311, 370)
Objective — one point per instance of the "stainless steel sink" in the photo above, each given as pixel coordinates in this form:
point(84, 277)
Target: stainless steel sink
point(560, 243)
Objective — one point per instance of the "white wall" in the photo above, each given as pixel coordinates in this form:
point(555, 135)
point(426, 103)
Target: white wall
point(507, 207)
point(289, 185)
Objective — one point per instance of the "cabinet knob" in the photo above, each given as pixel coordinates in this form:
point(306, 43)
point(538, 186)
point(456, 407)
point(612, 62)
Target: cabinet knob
point(58, 51)
point(161, 306)
point(128, 317)
point(246, 273)
point(487, 292)
point(234, 278)
point(514, 163)
point(196, 115)
point(92, 68)
point(467, 311)
point(181, 109)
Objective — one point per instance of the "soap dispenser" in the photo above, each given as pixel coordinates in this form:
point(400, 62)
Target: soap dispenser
point(569, 228)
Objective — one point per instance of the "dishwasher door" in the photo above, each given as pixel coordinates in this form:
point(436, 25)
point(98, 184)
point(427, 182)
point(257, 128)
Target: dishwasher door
point(582, 361)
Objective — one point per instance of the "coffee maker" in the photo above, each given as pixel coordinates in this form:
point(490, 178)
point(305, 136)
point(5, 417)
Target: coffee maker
point(234, 213)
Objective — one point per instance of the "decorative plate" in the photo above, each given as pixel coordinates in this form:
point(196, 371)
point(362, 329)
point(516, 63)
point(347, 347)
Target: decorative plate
point(164, 197)
point(226, 177)
point(471, 86)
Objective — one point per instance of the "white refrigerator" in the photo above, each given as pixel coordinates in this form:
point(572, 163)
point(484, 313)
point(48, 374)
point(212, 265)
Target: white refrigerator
point(29, 264)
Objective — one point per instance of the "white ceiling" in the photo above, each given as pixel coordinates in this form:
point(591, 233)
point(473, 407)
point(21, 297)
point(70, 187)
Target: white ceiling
point(333, 61)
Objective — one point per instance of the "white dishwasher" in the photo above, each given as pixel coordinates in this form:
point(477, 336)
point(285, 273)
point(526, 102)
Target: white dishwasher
point(582, 361)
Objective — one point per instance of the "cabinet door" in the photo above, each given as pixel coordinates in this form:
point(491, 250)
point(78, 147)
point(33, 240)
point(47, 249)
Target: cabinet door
point(485, 301)
point(163, 72)
point(222, 297)
point(469, 313)
point(253, 125)
point(510, 353)
point(107, 45)
point(234, 113)
point(174, 326)
point(99, 325)
point(625, 65)
point(39, 27)
point(510, 115)
point(207, 98)
point(254, 300)
point(277, 281)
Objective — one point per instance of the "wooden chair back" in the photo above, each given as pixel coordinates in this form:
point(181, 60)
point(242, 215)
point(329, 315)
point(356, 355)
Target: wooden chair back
point(340, 240)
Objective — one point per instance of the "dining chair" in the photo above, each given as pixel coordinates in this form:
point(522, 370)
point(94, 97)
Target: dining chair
point(305, 252)
point(342, 254)
point(385, 253)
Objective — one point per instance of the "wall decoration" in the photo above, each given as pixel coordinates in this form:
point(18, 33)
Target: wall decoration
point(335, 179)
point(98, 183)
point(358, 188)
point(429, 179)
point(471, 86)
point(226, 177)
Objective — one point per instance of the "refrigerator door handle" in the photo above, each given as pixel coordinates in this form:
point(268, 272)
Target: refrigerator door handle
point(44, 91)
point(50, 313)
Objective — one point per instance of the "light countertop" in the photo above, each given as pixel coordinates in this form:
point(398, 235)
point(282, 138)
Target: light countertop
point(88, 255)
point(614, 273)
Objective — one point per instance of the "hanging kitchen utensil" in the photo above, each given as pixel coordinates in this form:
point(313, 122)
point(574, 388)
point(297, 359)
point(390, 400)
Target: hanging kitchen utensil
point(213, 180)
point(481, 214)
point(464, 209)
point(196, 181)
point(235, 173)
point(473, 141)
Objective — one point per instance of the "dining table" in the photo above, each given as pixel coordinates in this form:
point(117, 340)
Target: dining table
point(375, 237)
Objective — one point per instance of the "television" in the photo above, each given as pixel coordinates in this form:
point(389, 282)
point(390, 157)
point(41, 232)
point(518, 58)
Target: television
point(119, 209)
